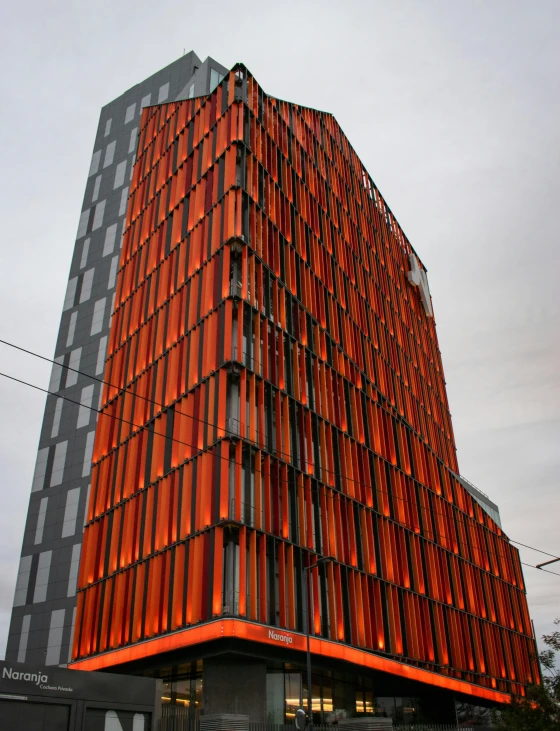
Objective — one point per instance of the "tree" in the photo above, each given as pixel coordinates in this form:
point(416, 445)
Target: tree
point(470, 714)
point(539, 710)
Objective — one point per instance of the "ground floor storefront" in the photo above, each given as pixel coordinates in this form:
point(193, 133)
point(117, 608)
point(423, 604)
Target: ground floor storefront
point(270, 690)
point(231, 666)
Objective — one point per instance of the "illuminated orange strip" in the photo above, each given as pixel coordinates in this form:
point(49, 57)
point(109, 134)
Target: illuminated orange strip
point(260, 633)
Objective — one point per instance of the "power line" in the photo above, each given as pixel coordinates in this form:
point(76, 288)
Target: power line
point(236, 435)
point(173, 439)
point(535, 549)
point(182, 413)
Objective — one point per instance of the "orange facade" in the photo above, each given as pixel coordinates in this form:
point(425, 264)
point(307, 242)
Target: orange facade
point(274, 392)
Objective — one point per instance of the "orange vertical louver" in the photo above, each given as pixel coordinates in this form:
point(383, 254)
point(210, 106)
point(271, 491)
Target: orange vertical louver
point(275, 393)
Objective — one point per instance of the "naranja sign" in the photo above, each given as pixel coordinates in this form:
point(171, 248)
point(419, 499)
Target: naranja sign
point(280, 637)
point(39, 679)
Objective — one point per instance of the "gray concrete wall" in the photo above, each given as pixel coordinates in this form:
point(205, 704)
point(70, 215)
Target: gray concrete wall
point(235, 686)
point(42, 620)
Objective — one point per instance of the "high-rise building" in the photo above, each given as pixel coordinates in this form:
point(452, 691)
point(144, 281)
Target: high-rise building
point(274, 396)
point(45, 597)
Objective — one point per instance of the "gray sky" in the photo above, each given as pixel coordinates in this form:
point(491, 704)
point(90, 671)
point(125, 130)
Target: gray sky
point(454, 108)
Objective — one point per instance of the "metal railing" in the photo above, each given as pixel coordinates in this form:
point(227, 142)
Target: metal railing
point(180, 718)
point(398, 727)
point(432, 727)
point(284, 727)
point(474, 487)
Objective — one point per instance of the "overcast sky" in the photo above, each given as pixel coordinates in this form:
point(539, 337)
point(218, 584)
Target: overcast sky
point(453, 107)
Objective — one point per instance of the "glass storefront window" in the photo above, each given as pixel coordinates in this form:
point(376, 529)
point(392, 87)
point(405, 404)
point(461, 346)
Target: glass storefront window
point(469, 714)
point(182, 685)
point(327, 699)
point(385, 707)
point(364, 702)
point(335, 696)
point(293, 694)
point(316, 701)
point(166, 694)
point(408, 709)
point(275, 698)
point(182, 692)
point(405, 709)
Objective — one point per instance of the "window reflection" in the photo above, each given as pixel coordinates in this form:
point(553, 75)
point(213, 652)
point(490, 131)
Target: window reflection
point(292, 685)
point(182, 685)
point(385, 707)
point(335, 695)
point(275, 697)
point(364, 702)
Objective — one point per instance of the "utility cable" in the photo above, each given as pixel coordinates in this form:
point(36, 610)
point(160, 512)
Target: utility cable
point(230, 432)
point(239, 464)
point(236, 435)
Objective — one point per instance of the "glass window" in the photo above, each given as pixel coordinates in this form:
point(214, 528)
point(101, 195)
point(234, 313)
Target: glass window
point(42, 580)
point(40, 468)
point(166, 691)
point(98, 216)
point(130, 111)
point(56, 373)
point(133, 140)
point(71, 512)
point(22, 582)
point(56, 419)
point(58, 463)
point(74, 567)
point(182, 692)
point(293, 691)
point(327, 698)
point(86, 468)
point(87, 283)
point(198, 693)
point(120, 172)
point(73, 624)
point(54, 641)
point(110, 236)
point(24, 637)
point(85, 251)
point(124, 200)
point(101, 355)
point(385, 707)
point(94, 165)
point(41, 517)
point(85, 406)
point(96, 185)
point(98, 315)
point(113, 272)
point(275, 697)
point(70, 294)
point(182, 685)
point(83, 223)
point(109, 154)
point(364, 702)
point(73, 366)
point(408, 709)
point(215, 78)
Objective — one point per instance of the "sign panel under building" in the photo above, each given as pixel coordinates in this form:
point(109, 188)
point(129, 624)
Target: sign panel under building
point(55, 699)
